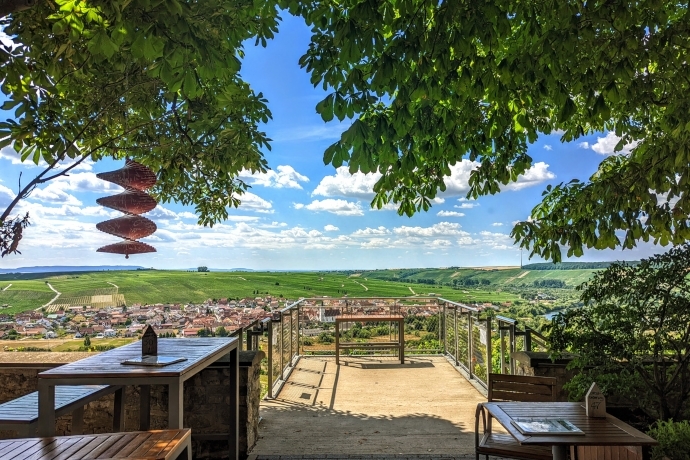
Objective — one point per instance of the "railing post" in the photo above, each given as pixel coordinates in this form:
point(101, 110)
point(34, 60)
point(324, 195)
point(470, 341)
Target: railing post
point(489, 351)
point(249, 335)
point(290, 332)
point(442, 329)
point(270, 358)
point(455, 334)
point(298, 340)
point(528, 339)
point(470, 343)
point(512, 348)
point(502, 339)
point(282, 346)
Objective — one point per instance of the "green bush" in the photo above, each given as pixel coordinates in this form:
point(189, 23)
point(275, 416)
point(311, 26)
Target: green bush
point(674, 440)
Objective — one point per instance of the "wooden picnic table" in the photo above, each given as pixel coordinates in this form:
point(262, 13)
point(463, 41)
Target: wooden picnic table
point(149, 445)
point(400, 344)
point(598, 432)
point(107, 369)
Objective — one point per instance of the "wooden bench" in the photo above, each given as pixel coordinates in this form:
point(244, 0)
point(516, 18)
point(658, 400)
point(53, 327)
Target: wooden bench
point(21, 414)
point(139, 445)
point(512, 388)
point(398, 345)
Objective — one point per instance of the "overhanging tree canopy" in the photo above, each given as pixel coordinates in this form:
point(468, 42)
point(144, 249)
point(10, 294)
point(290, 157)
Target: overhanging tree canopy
point(429, 82)
point(156, 81)
point(434, 82)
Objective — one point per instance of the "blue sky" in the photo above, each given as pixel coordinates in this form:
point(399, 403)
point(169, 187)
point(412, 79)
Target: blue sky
point(302, 215)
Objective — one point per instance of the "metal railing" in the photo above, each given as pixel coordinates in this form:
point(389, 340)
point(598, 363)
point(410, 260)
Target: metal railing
point(478, 342)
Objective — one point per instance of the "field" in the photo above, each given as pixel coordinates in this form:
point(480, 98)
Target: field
point(114, 288)
point(60, 344)
point(515, 277)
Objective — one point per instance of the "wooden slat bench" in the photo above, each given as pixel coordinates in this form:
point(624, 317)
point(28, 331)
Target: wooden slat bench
point(137, 445)
point(21, 414)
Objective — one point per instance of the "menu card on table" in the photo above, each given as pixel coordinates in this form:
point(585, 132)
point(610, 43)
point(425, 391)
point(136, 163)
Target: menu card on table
point(531, 426)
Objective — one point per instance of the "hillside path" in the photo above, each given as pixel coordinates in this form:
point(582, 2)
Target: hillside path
point(521, 275)
point(7, 287)
point(413, 293)
point(365, 288)
point(113, 284)
point(58, 293)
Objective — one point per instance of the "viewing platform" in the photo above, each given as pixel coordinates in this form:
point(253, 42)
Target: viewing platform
point(370, 407)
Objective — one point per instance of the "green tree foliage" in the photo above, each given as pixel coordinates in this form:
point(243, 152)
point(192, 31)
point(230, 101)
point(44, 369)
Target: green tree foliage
point(156, 81)
point(550, 283)
point(87, 341)
point(633, 335)
point(202, 269)
point(221, 332)
point(429, 83)
point(674, 440)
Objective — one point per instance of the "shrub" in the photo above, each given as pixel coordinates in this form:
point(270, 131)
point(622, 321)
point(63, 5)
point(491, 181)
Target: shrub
point(632, 336)
point(674, 440)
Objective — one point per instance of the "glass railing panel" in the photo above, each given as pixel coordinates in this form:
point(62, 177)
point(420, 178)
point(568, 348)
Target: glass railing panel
point(463, 343)
point(479, 341)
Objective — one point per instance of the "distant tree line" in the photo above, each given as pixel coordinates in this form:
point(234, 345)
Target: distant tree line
point(550, 284)
point(574, 265)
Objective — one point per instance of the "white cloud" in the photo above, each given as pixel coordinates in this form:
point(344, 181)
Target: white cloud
point(6, 196)
point(284, 176)
point(497, 224)
point(371, 231)
point(438, 200)
point(606, 145)
point(254, 203)
point(357, 185)
point(583, 145)
point(538, 173)
point(450, 214)
point(439, 229)
point(330, 228)
point(54, 194)
point(338, 207)
point(548, 147)
point(386, 207)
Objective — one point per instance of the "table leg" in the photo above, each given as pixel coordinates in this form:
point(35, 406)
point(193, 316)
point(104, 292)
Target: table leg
point(175, 404)
point(337, 343)
point(46, 409)
point(234, 441)
point(559, 452)
point(77, 421)
point(144, 407)
point(401, 338)
point(119, 411)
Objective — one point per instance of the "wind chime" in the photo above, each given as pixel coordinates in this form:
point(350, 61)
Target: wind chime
point(135, 178)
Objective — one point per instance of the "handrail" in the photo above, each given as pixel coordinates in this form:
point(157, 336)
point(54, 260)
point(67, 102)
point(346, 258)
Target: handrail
point(465, 335)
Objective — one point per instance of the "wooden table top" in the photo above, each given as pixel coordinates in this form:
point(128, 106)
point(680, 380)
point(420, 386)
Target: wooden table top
point(109, 363)
point(153, 445)
point(365, 318)
point(598, 432)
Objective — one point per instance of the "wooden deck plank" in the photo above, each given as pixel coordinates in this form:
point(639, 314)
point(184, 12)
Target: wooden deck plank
point(133, 444)
point(102, 447)
point(155, 444)
point(123, 441)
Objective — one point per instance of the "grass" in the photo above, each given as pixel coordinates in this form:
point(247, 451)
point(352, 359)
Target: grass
point(62, 344)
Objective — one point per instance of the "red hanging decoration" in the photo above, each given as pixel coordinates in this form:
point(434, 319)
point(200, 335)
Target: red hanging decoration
point(135, 178)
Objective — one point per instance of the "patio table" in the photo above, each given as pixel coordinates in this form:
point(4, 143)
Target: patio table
point(107, 369)
point(598, 432)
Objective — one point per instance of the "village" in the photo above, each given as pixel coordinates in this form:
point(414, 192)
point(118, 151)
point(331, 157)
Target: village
point(213, 316)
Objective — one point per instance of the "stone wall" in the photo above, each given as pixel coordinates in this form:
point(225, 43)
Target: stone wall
point(206, 402)
point(539, 364)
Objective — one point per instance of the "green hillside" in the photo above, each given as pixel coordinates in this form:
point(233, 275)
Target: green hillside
point(511, 277)
point(31, 291)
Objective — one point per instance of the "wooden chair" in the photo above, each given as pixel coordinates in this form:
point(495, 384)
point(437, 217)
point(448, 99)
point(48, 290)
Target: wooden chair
point(512, 388)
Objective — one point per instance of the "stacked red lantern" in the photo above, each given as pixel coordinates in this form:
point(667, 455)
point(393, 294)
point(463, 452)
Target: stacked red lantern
point(135, 178)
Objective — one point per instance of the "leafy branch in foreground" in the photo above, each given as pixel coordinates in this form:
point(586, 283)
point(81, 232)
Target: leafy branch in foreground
point(154, 81)
point(633, 335)
point(430, 83)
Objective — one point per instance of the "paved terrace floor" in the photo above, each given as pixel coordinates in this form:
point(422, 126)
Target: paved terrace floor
point(370, 407)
